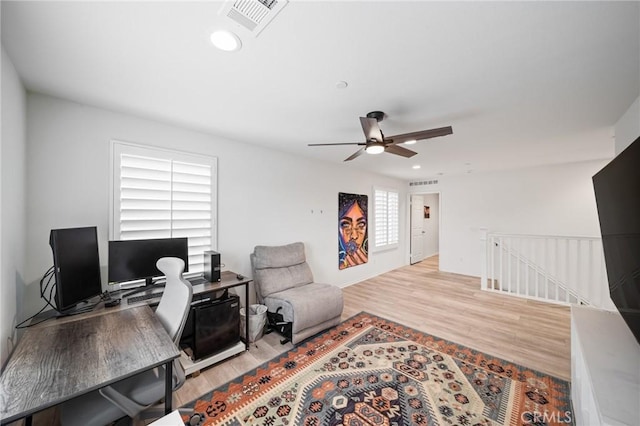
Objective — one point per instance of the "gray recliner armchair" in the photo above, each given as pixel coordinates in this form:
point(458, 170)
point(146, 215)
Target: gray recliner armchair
point(284, 283)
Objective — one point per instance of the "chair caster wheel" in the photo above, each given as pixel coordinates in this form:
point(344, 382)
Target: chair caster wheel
point(195, 420)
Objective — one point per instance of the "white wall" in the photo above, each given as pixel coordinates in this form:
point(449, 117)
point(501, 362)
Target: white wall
point(12, 211)
point(627, 128)
point(264, 197)
point(431, 226)
point(267, 197)
point(549, 200)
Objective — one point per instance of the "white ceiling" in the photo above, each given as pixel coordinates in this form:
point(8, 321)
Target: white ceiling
point(522, 83)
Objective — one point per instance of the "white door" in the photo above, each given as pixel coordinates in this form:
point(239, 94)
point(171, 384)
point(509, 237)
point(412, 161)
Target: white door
point(417, 231)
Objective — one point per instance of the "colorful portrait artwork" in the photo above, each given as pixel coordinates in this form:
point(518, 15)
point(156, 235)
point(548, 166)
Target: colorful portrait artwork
point(353, 243)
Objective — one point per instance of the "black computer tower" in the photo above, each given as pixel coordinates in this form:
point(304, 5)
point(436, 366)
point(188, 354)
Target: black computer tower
point(212, 326)
point(212, 266)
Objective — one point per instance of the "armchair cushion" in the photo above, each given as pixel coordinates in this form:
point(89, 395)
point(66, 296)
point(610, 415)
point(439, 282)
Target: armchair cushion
point(300, 304)
point(281, 268)
point(274, 280)
point(279, 256)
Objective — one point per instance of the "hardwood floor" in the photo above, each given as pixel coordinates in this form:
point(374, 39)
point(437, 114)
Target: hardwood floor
point(451, 306)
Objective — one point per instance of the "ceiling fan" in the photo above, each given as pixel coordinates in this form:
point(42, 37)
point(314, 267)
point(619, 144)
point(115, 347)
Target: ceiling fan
point(377, 143)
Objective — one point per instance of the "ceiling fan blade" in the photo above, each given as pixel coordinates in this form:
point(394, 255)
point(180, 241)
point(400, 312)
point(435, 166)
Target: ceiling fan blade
point(398, 150)
point(329, 144)
point(419, 135)
point(371, 129)
point(355, 154)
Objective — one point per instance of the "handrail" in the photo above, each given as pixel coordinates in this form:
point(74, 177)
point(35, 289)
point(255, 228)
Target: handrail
point(551, 279)
point(559, 269)
point(567, 237)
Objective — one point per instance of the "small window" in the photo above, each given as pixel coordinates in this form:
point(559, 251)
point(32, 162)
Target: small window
point(386, 205)
point(159, 193)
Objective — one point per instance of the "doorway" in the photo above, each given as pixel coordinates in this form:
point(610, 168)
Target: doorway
point(425, 226)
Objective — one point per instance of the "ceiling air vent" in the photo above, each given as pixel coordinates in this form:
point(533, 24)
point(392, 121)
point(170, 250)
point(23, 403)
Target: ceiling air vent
point(424, 182)
point(254, 15)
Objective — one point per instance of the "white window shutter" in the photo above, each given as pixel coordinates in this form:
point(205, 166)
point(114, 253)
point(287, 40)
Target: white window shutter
point(164, 194)
point(145, 198)
point(380, 217)
point(392, 215)
point(192, 207)
point(386, 220)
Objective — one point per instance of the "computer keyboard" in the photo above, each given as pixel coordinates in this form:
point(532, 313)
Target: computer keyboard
point(197, 280)
point(135, 299)
point(143, 297)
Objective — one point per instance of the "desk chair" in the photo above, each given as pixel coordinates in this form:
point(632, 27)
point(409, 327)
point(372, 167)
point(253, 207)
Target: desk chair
point(132, 396)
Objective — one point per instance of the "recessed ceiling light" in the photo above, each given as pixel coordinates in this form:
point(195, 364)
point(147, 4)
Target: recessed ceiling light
point(341, 85)
point(411, 142)
point(226, 40)
point(417, 166)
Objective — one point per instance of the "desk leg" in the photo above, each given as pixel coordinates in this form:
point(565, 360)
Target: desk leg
point(168, 387)
point(246, 312)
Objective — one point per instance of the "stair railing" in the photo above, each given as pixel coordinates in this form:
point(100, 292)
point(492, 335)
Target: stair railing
point(559, 269)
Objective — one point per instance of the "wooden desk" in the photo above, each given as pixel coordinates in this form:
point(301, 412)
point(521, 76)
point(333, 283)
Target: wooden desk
point(60, 360)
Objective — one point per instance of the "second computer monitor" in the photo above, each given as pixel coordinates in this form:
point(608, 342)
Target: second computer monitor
point(131, 260)
point(76, 265)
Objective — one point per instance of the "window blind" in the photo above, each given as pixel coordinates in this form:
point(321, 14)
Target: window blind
point(164, 194)
point(386, 205)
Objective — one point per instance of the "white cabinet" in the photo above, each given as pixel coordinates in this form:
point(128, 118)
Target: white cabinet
point(605, 369)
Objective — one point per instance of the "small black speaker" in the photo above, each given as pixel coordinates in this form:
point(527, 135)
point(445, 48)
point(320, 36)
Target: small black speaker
point(211, 266)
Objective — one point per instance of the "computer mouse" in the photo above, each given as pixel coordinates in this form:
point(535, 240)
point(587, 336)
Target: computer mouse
point(111, 303)
point(240, 277)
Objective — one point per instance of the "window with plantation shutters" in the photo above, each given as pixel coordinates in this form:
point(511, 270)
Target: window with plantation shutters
point(385, 211)
point(159, 193)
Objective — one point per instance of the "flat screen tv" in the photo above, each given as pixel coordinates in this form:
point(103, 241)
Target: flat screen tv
point(76, 266)
point(617, 191)
point(131, 260)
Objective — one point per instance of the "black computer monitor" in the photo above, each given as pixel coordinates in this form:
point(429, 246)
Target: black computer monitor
point(76, 266)
point(131, 260)
point(616, 188)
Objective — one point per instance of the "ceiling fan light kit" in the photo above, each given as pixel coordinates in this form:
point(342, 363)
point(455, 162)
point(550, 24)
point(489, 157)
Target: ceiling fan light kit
point(375, 148)
point(377, 143)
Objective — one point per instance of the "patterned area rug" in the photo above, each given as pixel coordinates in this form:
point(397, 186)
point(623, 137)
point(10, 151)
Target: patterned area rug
point(372, 371)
